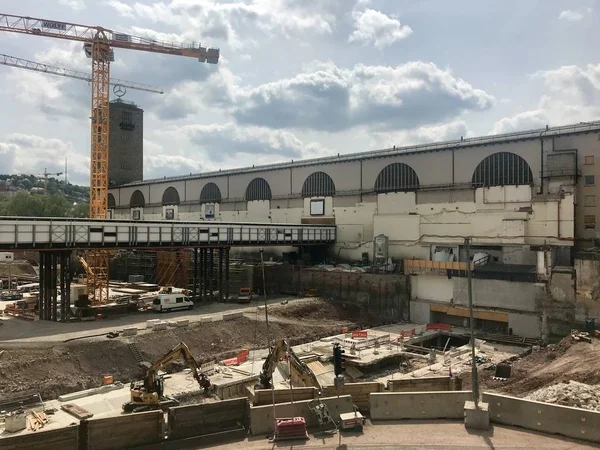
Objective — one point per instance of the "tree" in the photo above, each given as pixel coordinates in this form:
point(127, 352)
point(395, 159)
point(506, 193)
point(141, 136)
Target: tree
point(80, 210)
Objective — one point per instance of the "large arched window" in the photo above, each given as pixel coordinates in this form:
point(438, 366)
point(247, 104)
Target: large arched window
point(111, 201)
point(318, 184)
point(210, 193)
point(396, 177)
point(258, 189)
point(137, 200)
point(502, 169)
point(170, 196)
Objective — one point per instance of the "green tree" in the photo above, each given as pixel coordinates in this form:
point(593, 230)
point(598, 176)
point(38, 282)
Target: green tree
point(80, 210)
point(24, 204)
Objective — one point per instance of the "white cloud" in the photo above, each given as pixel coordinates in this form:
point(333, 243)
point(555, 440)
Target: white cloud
point(573, 95)
point(32, 154)
point(330, 98)
point(380, 29)
point(582, 85)
point(73, 4)
point(233, 21)
point(435, 133)
point(571, 16)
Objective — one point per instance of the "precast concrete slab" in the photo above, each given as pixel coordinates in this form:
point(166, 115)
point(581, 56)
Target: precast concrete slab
point(477, 417)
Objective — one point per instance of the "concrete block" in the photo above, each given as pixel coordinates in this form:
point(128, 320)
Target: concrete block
point(130, 331)
point(150, 323)
point(418, 405)
point(234, 315)
point(183, 323)
point(261, 417)
point(477, 418)
point(160, 326)
point(15, 422)
point(171, 324)
point(205, 319)
point(544, 417)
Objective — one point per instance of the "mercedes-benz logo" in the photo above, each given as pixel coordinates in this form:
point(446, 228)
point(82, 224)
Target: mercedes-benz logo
point(119, 90)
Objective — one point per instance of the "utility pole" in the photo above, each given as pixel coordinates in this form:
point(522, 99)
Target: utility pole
point(474, 382)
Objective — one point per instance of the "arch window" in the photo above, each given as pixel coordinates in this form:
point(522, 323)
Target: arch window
point(396, 177)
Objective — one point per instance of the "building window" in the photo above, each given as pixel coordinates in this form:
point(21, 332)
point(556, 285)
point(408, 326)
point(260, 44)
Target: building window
point(169, 213)
point(317, 207)
point(135, 215)
point(590, 180)
point(589, 160)
point(127, 117)
point(589, 221)
point(209, 211)
point(589, 200)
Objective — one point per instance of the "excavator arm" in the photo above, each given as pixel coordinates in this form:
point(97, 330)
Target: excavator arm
point(280, 351)
point(151, 382)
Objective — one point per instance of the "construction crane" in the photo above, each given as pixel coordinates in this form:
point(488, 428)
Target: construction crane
point(98, 43)
point(46, 174)
point(20, 63)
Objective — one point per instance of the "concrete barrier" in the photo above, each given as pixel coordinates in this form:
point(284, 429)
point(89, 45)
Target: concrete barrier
point(205, 319)
point(197, 420)
point(418, 405)
point(427, 384)
point(127, 431)
point(130, 331)
point(150, 323)
point(182, 323)
point(265, 397)
point(360, 393)
point(233, 315)
point(161, 326)
point(544, 417)
point(261, 417)
point(63, 438)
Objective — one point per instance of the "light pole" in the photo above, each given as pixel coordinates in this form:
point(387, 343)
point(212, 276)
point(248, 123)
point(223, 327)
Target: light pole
point(474, 382)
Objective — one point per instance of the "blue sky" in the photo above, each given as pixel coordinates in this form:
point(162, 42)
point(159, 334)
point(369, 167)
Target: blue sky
point(304, 78)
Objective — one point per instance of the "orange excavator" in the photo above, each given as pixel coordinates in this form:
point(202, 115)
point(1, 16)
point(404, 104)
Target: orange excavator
point(148, 394)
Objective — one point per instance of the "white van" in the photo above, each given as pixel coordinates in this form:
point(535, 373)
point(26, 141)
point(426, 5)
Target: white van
point(171, 302)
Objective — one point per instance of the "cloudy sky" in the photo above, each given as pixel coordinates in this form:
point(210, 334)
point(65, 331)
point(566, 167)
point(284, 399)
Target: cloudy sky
point(304, 78)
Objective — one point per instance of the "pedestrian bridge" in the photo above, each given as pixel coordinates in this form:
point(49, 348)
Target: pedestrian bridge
point(32, 233)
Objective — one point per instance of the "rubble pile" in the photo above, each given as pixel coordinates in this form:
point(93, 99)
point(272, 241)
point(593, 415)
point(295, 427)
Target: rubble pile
point(573, 393)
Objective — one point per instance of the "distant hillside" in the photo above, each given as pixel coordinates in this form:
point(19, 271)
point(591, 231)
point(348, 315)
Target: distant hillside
point(34, 184)
point(25, 195)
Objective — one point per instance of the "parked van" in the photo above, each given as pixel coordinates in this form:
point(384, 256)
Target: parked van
point(171, 302)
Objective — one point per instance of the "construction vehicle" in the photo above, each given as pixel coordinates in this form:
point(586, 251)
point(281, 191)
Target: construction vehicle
point(299, 371)
point(148, 394)
point(245, 295)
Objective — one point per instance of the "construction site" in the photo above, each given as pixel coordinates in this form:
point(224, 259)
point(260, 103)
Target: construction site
point(350, 299)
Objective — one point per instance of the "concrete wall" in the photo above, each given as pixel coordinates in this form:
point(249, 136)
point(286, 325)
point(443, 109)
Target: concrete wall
point(525, 325)
point(419, 405)
point(114, 432)
point(63, 438)
point(588, 274)
point(360, 392)
point(432, 287)
point(544, 417)
point(126, 157)
point(503, 294)
point(265, 396)
point(425, 384)
point(419, 311)
point(261, 417)
point(196, 420)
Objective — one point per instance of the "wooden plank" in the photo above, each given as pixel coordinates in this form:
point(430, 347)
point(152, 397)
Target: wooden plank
point(62, 438)
point(77, 411)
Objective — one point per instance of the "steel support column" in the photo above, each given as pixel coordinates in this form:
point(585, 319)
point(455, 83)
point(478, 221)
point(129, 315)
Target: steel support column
point(211, 274)
point(227, 273)
point(48, 297)
point(195, 275)
point(65, 285)
point(221, 254)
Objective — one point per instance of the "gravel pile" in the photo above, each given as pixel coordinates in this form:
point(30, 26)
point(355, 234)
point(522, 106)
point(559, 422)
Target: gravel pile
point(578, 395)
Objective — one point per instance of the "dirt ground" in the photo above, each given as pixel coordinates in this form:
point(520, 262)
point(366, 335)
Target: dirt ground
point(557, 363)
point(82, 364)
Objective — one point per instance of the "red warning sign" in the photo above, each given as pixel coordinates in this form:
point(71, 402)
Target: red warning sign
point(359, 335)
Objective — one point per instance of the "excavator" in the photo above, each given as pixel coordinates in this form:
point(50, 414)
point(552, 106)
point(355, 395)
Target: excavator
point(148, 393)
point(280, 351)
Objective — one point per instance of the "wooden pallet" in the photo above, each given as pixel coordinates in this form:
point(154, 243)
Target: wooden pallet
point(77, 411)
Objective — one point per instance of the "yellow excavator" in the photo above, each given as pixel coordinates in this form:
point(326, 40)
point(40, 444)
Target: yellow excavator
point(148, 393)
point(300, 372)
